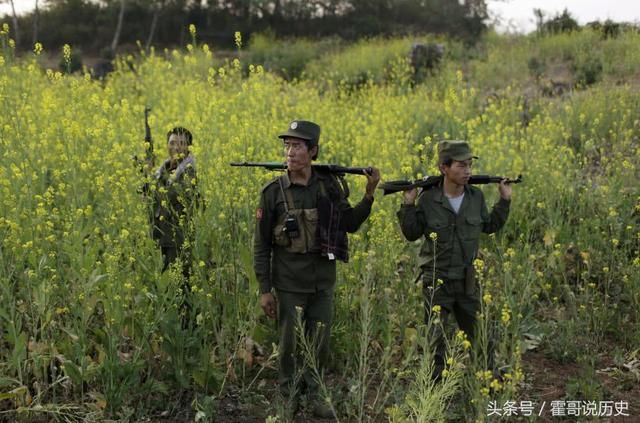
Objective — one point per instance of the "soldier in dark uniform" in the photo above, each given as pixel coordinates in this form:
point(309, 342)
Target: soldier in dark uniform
point(451, 218)
point(301, 231)
point(175, 200)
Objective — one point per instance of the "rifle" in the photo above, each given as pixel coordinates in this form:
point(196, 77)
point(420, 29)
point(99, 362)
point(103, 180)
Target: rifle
point(337, 170)
point(431, 181)
point(150, 158)
point(331, 168)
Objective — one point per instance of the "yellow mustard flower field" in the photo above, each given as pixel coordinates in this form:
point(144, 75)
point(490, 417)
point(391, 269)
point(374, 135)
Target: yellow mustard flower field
point(91, 329)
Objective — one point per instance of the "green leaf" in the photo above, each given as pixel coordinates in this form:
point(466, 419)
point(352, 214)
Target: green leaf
point(73, 371)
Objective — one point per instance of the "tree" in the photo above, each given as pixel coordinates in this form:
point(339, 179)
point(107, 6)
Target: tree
point(16, 32)
point(539, 14)
point(563, 22)
point(156, 6)
point(36, 16)
point(116, 36)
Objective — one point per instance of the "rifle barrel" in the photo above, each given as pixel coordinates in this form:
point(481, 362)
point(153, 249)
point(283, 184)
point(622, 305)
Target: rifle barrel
point(391, 187)
point(332, 168)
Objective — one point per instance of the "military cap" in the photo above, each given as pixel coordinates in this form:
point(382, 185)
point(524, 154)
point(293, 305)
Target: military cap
point(303, 129)
point(455, 150)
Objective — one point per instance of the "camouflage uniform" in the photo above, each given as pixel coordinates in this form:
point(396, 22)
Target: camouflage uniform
point(174, 203)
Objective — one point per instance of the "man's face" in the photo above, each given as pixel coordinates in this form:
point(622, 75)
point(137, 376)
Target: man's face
point(297, 154)
point(177, 145)
point(459, 172)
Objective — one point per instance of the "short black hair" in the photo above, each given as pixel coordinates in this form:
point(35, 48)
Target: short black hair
point(310, 145)
point(179, 130)
point(448, 162)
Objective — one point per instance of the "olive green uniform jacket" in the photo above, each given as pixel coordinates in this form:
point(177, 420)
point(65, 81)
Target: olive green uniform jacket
point(275, 267)
point(456, 235)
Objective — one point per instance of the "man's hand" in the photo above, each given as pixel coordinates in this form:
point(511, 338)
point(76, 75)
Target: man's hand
point(372, 182)
point(268, 304)
point(505, 190)
point(410, 196)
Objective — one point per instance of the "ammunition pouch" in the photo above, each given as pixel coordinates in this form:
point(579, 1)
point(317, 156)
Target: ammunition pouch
point(304, 241)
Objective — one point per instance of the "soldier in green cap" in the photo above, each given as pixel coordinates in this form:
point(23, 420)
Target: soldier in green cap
point(451, 218)
point(301, 231)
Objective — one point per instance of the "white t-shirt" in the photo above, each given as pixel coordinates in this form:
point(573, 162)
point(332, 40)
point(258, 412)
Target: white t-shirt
point(456, 202)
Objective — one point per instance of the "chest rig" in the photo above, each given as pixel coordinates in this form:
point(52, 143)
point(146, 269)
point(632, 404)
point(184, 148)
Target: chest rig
point(297, 228)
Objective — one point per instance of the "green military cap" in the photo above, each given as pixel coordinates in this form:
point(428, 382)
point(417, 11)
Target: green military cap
point(455, 150)
point(303, 129)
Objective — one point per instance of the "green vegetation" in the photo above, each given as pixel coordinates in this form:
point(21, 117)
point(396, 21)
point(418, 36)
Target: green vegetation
point(90, 329)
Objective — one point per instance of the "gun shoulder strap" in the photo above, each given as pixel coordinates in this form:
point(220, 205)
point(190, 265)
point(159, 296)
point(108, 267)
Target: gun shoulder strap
point(287, 197)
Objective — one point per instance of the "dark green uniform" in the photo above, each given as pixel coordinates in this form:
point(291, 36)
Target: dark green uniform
point(303, 270)
point(450, 256)
point(174, 203)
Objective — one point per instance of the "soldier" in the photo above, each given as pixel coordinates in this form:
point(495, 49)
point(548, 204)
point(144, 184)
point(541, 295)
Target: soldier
point(301, 230)
point(175, 199)
point(451, 217)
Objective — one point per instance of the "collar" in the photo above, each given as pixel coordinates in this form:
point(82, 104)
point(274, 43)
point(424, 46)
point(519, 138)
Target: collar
point(286, 181)
point(439, 196)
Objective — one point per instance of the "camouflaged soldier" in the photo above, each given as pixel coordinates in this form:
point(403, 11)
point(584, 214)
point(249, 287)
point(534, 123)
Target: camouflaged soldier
point(451, 218)
point(175, 199)
point(301, 231)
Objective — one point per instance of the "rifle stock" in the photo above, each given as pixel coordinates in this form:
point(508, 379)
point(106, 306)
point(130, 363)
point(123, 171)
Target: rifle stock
point(431, 181)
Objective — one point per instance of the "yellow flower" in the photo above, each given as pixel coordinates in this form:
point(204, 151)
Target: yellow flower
point(436, 309)
point(238, 38)
point(37, 49)
point(478, 264)
point(192, 30)
point(66, 53)
point(505, 315)
point(433, 236)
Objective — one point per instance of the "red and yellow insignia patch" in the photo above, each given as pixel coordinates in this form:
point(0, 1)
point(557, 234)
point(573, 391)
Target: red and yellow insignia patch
point(259, 214)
